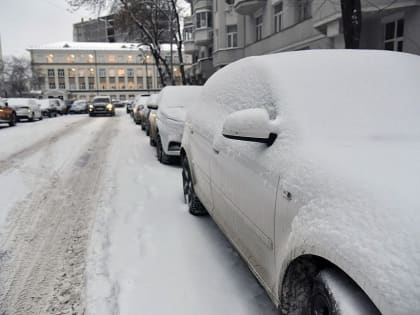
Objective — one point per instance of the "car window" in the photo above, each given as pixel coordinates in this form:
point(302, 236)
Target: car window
point(101, 100)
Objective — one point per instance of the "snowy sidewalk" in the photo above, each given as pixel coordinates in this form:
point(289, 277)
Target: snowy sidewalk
point(148, 255)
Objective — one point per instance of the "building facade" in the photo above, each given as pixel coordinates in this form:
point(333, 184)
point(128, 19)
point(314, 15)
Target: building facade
point(222, 31)
point(72, 70)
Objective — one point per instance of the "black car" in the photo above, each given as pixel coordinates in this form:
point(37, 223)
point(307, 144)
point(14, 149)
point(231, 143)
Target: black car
point(101, 105)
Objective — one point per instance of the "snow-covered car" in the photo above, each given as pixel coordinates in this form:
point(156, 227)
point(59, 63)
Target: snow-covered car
point(309, 162)
point(101, 105)
point(139, 106)
point(7, 114)
point(26, 108)
point(49, 107)
point(79, 107)
point(151, 106)
point(173, 103)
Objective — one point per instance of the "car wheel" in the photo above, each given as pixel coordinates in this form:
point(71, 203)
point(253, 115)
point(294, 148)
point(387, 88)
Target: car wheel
point(195, 207)
point(12, 121)
point(152, 142)
point(161, 155)
point(143, 127)
point(32, 117)
point(41, 117)
point(332, 289)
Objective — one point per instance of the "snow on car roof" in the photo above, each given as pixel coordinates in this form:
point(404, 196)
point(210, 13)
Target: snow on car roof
point(178, 96)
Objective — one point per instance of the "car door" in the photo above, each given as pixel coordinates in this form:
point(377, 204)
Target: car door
point(244, 185)
point(199, 151)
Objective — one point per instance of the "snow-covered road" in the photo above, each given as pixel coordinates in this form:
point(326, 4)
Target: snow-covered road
point(90, 222)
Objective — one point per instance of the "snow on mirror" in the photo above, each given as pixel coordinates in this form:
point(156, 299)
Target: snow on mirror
point(249, 125)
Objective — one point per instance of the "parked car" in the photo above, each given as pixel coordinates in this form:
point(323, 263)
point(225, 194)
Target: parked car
point(150, 104)
point(68, 104)
point(152, 124)
point(79, 107)
point(309, 163)
point(7, 114)
point(139, 106)
point(129, 107)
point(117, 103)
point(26, 108)
point(49, 107)
point(101, 105)
point(170, 118)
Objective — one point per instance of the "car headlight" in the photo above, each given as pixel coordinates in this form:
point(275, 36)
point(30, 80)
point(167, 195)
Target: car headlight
point(91, 107)
point(109, 107)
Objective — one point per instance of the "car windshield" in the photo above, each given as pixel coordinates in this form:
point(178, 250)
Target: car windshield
point(101, 100)
point(79, 103)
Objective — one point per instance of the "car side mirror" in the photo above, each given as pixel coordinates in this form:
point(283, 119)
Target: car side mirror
point(152, 107)
point(249, 125)
point(6, 104)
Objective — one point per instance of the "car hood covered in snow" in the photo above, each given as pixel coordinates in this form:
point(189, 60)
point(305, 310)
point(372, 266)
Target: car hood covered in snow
point(348, 149)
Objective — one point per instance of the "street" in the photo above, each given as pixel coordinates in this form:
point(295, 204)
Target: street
point(92, 223)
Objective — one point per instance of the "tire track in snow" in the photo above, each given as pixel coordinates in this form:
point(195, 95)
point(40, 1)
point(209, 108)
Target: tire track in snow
point(11, 161)
point(42, 268)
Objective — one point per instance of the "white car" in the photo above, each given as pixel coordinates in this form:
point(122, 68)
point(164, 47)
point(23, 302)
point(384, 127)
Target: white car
point(173, 102)
point(26, 108)
point(49, 107)
point(309, 162)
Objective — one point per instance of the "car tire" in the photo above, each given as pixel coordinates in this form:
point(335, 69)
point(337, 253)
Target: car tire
point(91, 115)
point(13, 120)
point(195, 207)
point(325, 299)
point(161, 155)
point(152, 142)
point(143, 127)
point(32, 117)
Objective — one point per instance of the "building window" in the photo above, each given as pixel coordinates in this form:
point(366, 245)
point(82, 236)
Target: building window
point(60, 73)
point(130, 59)
point(91, 72)
point(91, 59)
point(111, 58)
point(52, 85)
point(232, 36)
point(91, 85)
point(72, 73)
point(121, 72)
point(130, 73)
point(258, 27)
point(394, 35)
point(82, 85)
point(81, 72)
point(188, 34)
point(102, 73)
point(203, 19)
point(50, 58)
point(278, 13)
point(112, 72)
point(62, 85)
point(51, 73)
point(302, 10)
point(71, 58)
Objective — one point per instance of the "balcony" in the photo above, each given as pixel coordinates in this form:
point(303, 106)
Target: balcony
point(189, 46)
point(225, 56)
point(203, 36)
point(247, 7)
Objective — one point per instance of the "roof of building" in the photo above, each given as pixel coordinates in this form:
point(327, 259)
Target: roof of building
point(96, 46)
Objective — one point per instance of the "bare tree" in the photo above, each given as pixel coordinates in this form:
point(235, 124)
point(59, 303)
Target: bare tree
point(352, 22)
point(16, 76)
point(153, 21)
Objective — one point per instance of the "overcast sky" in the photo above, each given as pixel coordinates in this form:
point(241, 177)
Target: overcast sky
point(24, 23)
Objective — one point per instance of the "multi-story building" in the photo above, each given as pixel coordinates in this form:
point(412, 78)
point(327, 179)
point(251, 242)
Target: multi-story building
point(102, 29)
point(222, 31)
point(72, 70)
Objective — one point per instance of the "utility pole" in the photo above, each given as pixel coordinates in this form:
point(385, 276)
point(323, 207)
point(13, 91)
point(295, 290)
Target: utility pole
point(351, 12)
